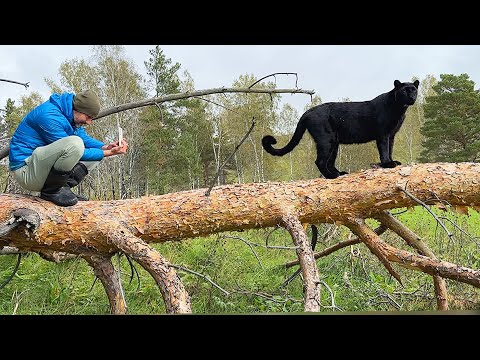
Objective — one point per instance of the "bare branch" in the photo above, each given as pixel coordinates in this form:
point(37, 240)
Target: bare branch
point(16, 82)
point(183, 268)
point(278, 73)
point(427, 265)
point(263, 246)
point(416, 242)
point(207, 193)
point(186, 95)
point(405, 233)
point(9, 250)
point(314, 243)
point(332, 298)
point(380, 230)
point(373, 242)
point(246, 242)
point(311, 279)
point(383, 294)
point(105, 271)
point(450, 235)
point(473, 238)
point(174, 294)
point(215, 103)
point(119, 276)
point(17, 264)
point(266, 296)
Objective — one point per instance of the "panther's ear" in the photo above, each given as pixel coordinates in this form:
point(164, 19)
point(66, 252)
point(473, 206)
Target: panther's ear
point(397, 84)
point(416, 83)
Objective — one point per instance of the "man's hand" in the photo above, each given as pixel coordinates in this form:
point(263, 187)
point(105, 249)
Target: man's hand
point(110, 146)
point(115, 149)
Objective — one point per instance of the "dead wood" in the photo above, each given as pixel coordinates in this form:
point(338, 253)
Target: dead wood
point(102, 228)
point(105, 271)
point(311, 279)
point(372, 240)
point(416, 242)
point(340, 245)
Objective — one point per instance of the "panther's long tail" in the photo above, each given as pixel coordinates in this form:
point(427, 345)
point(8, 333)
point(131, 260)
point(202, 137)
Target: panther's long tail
point(268, 141)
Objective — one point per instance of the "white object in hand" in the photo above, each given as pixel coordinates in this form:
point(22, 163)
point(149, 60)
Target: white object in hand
point(120, 136)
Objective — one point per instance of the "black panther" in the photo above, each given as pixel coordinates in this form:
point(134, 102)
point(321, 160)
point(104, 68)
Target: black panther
point(335, 123)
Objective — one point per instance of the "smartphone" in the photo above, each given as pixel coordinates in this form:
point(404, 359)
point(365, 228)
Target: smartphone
point(120, 136)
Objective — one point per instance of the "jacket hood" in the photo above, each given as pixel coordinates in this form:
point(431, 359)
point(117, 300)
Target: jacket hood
point(64, 102)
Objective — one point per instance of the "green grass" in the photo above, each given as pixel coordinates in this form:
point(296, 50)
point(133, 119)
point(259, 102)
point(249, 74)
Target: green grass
point(356, 279)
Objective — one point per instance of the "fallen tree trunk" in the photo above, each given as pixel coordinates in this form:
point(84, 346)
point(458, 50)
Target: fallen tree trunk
point(102, 228)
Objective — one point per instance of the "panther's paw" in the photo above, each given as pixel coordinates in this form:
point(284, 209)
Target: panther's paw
point(389, 164)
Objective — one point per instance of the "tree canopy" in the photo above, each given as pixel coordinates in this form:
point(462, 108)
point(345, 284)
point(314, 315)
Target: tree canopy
point(452, 121)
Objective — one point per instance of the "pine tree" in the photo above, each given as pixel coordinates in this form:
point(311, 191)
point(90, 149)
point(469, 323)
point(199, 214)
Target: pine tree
point(452, 121)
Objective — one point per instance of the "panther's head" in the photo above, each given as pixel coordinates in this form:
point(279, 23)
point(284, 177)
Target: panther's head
point(406, 93)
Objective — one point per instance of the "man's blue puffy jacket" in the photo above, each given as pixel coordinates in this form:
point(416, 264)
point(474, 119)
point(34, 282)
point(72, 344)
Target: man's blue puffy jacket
point(48, 122)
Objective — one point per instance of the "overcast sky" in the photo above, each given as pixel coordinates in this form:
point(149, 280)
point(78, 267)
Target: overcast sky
point(357, 72)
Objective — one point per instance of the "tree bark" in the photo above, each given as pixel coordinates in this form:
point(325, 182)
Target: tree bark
point(105, 271)
point(311, 288)
point(413, 261)
point(92, 227)
point(174, 294)
point(416, 242)
point(379, 231)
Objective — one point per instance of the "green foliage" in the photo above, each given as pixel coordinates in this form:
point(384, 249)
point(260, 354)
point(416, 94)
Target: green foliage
point(357, 157)
point(77, 75)
point(232, 122)
point(175, 145)
point(452, 121)
point(8, 123)
point(287, 120)
point(409, 139)
point(14, 114)
point(163, 76)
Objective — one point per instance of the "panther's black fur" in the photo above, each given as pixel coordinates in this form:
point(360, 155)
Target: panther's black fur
point(335, 123)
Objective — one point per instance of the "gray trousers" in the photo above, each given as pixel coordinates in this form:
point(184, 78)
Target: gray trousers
point(62, 155)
